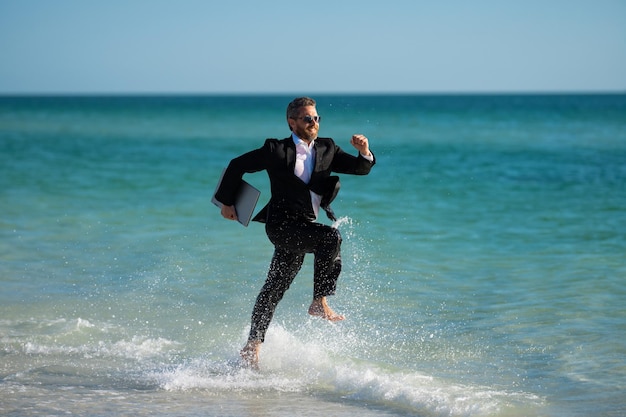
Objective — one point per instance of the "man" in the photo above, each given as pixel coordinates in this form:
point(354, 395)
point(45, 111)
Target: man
point(299, 169)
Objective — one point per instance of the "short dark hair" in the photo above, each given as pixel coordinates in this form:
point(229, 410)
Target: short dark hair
point(293, 109)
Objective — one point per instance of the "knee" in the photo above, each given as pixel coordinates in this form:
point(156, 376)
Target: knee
point(336, 236)
point(333, 240)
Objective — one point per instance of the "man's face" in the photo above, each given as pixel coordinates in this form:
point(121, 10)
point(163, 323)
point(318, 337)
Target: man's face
point(306, 131)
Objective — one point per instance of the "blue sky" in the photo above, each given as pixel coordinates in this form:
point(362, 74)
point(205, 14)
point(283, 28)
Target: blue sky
point(322, 46)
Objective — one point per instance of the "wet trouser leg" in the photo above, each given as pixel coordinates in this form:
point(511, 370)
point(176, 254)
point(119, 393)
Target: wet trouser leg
point(291, 242)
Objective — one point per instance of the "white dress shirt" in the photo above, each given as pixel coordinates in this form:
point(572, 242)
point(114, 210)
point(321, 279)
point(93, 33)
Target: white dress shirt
point(305, 162)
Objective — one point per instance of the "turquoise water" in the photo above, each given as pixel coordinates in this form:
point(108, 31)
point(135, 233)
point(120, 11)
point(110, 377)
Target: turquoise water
point(484, 270)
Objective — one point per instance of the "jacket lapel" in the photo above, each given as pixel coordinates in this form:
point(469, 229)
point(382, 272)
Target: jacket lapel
point(320, 150)
point(290, 153)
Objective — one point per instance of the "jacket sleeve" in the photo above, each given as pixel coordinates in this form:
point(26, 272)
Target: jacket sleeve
point(252, 161)
point(344, 163)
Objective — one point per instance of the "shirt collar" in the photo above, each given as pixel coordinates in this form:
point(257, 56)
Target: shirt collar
point(300, 142)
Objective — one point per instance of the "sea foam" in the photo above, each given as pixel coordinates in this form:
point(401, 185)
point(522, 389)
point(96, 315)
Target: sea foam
point(289, 364)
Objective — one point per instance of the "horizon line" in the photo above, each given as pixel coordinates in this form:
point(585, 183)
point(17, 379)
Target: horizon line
point(286, 93)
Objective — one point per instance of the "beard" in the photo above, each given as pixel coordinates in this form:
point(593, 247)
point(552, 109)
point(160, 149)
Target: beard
point(309, 133)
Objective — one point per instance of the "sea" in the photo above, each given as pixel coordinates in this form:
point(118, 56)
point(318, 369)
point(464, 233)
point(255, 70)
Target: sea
point(484, 259)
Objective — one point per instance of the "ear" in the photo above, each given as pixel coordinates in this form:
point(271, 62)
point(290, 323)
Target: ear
point(292, 123)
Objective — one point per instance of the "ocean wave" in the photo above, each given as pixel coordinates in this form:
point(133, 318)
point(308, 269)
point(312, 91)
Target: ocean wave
point(291, 365)
point(81, 337)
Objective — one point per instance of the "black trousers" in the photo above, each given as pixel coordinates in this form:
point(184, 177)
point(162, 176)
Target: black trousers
point(292, 240)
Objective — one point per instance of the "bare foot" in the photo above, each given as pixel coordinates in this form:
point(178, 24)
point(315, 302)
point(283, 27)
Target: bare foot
point(319, 308)
point(250, 354)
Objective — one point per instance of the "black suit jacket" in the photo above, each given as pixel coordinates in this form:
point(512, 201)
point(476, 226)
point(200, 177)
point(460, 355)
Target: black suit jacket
point(290, 196)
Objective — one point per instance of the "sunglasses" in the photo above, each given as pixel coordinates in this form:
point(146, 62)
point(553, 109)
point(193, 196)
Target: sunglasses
point(309, 119)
